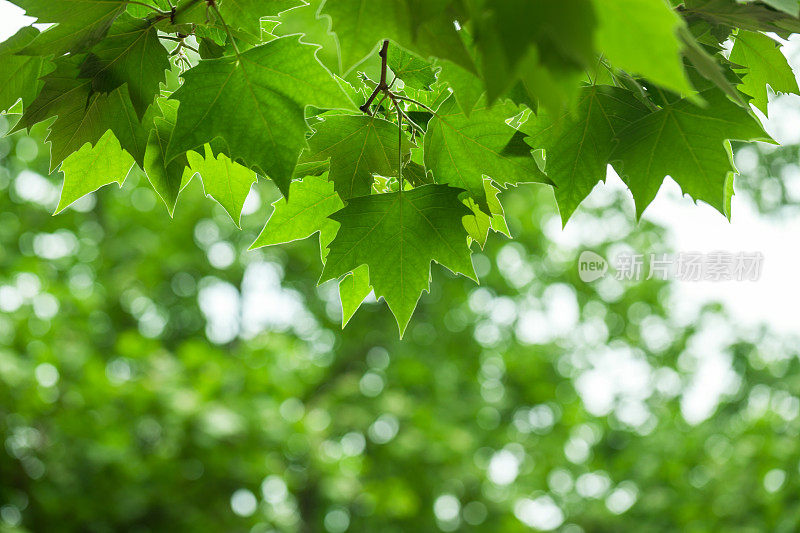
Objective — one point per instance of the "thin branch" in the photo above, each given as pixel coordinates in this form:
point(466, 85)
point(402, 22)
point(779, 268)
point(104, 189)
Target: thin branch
point(382, 86)
point(399, 147)
point(415, 102)
point(181, 41)
point(213, 5)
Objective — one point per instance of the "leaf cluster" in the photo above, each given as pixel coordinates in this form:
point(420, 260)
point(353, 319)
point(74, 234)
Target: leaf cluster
point(392, 127)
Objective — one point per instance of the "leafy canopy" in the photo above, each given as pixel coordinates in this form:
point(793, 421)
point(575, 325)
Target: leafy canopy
point(392, 127)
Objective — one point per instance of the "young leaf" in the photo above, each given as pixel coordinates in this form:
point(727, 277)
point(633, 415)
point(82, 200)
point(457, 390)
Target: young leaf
point(578, 142)
point(255, 101)
point(92, 167)
point(358, 147)
point(132, 54)
point(460, 150)
point(765, 65)
point(688, 143)
point(397, 235)
point(79, 23)
point(225, 181)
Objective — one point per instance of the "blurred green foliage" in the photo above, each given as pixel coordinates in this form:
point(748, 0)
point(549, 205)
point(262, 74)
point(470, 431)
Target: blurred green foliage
point(156, 376)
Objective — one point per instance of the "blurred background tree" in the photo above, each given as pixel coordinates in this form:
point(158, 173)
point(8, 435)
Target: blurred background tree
point(155, 375)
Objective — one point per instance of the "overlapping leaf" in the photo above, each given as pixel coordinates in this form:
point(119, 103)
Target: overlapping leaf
point(461, 150)
point(765, 65)
point(422, 26)
point(20, 75)
point(397, 235)
point(255, 101)
point(247, 14)
point(688, 143)
point(358, 146)
point(79, 23)
point(83, 116)
point(578, 143)
point(131, 54)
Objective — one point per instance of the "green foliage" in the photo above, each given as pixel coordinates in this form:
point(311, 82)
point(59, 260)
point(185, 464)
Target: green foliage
point(130, 402)
point(465, 91)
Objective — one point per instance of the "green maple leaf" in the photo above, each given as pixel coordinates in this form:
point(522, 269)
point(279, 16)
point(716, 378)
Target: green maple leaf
point(623, 25)
point(247, 14)
point(225, 181)
point(765, 65)
point(424, 27)
point(578, 142)
point(353, 288)
point(83, 116)
point(413, 70)
point(132, 54)
point(358, 146)
point(461, 150)
point(301, 215)
point(688, 143)
point(167, 176)
point(256, 102)
point(79, 23)
point(92, 167)
point(20, 75)
point(305, 213)
point(397, 235)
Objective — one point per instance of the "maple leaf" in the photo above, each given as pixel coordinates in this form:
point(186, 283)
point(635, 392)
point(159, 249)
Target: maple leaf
point(460, 150)
point(79, 23)
point(131, 54)
point(764, 65)
point(225, 181)
point(302, 214)
point(397, 235)
point(256, 102)
point(578, 142)
point(690, 144)
point(358, 146)
point(92, 167)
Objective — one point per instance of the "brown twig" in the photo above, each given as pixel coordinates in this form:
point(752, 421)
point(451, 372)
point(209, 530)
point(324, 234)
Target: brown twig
point(382, 85)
